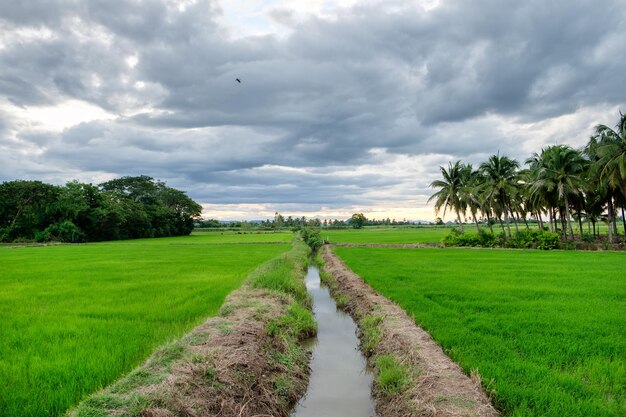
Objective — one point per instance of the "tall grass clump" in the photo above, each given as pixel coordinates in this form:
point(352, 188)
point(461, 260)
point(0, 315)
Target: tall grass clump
point(284, 273)
point(391, 375)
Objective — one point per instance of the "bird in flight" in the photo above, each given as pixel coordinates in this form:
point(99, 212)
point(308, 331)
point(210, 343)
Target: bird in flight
point(238, 80)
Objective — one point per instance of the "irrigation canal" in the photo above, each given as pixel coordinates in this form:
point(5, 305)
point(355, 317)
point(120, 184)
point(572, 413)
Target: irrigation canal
point(340, 384)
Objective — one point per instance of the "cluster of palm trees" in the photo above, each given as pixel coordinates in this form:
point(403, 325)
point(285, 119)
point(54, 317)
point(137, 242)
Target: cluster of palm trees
point(560, 185)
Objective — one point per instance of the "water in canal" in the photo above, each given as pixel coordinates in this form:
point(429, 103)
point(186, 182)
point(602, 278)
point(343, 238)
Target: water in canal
point(340, 384)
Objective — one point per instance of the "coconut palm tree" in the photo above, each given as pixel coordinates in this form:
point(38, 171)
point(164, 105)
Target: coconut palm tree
point(451, 189)
point(560, 169)
point(471, 192)
point(500, 175)
point(611, 151)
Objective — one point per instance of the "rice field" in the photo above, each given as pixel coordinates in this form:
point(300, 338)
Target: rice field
point(403, 235)
point(75, 318)
point(546, 331)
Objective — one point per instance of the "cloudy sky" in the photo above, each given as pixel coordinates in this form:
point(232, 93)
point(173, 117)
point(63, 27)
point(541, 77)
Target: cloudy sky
point(344, 106)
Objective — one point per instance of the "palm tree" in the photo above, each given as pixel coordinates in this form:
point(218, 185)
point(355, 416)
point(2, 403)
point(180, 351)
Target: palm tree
point(560, 169)
point(451, 188)
point(612, 154)
point(471, 192)
point(500, 174)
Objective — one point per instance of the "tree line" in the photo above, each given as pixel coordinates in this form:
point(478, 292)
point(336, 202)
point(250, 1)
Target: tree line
point(560, 185)
point(123, 208)
point(356, 221)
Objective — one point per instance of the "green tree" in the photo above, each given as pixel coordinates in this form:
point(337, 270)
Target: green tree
point(500, 185)
point(451, 188)
point(611, 151)
point(560, 168)
point(26, 207)
point(357, 220)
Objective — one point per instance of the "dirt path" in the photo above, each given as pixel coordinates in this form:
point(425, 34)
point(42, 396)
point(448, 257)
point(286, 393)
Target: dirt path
point(437, 386)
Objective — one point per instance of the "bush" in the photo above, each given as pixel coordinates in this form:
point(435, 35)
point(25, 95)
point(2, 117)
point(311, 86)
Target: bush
point(482, 239)
point(524, 239)
point(487, 239)
point(65, 231)
point(311, 236)
point(548, 240)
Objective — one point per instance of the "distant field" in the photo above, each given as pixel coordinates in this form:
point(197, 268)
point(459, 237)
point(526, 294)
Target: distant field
point(387, 235)
point(74, 318)
point(214, 237)
point(546, 330)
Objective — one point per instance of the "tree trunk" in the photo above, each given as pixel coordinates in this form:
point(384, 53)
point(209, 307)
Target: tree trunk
point(614, 219)
point(539, 220)
point(458, 216)
point(489, 222)
point(567, 217)
point(594, 227)
point(580, 224)
point(610, 220)
point(623, 221)
point(476, 221)
point(515, 220)
point(552, 219)
point(508, 222)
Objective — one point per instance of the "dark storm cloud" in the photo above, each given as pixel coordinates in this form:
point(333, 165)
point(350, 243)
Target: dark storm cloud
point(401, 79)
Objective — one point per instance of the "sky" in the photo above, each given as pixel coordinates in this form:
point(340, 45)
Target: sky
point(344, 106)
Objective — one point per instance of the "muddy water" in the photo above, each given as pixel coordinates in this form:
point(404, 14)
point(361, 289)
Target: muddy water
point(340, 384)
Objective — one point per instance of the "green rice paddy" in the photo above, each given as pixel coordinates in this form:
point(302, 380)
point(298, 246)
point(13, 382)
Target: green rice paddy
point(401, 235)
point(75, 318)
point(545, 330)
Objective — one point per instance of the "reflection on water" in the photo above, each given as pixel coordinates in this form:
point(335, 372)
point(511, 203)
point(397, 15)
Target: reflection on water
point(340, 385)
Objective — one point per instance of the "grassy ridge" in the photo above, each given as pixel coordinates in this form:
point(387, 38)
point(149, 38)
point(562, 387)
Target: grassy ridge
point(73, 318)
point(547, 331)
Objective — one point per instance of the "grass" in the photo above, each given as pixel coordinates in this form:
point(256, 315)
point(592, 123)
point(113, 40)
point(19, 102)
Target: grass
point(74, 318)
point(212, 237)
point(400, 235)
point(391, 375)
point(279, 274)
point(371, 333)
point(545, 330)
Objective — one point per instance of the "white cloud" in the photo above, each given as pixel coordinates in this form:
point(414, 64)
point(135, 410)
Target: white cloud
point(344, 105)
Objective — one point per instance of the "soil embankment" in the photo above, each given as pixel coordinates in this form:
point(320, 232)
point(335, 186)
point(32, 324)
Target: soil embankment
point(436, 385)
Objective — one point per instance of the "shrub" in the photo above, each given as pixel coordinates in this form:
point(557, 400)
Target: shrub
point(65, 231)
point(483, 239)
point(524, 239)
point(311, 236)
point(548, 240)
